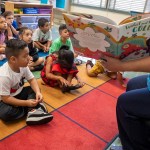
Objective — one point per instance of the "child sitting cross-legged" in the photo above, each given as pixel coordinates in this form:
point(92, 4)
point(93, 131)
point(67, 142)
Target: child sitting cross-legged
point(17, 101)
point(9, 16)
point(42, 36)
point(36, 62)
point(3, 37)
point(59, 70)
point(64, 39)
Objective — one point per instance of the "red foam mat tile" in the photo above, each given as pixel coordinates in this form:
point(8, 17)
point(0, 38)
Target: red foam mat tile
point(60, 134)
point(96, 112)
point(113, 87)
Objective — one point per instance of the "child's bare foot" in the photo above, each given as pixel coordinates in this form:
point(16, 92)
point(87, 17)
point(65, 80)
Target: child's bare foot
point(121, 79)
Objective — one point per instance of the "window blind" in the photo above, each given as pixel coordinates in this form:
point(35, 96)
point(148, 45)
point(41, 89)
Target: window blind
point(94, 3)
point(120, 5)
point(127, 5)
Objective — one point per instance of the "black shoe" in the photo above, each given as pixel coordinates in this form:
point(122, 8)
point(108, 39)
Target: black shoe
point(74, 87)
point(65, 89)
point(69, 88)
point(38, 68)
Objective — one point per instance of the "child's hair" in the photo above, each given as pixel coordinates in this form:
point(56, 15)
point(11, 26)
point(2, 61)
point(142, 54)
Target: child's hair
point(14, 47)
point(1, 16)
point(42, 22)
point(22, 30)
point(62, 27)
point(65, 57)
point(66, 47)
point(7, 13)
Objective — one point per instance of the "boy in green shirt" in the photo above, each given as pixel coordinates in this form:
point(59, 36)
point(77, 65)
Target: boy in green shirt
point(64, 39)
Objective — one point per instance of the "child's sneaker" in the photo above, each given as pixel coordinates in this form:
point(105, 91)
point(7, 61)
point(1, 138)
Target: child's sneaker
point(43, 107)
point(38, 116)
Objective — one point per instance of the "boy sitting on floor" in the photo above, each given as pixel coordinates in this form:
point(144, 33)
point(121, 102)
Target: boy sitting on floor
point(36, 62)
point(3, 37)
point(17, 101)
point(64, 39)
point(42, 36)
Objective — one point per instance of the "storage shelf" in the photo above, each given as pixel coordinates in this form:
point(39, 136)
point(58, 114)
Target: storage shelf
point(32, 14)
point(10, 6)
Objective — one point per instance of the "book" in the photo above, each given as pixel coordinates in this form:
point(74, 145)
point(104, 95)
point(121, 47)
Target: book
point(93, 35)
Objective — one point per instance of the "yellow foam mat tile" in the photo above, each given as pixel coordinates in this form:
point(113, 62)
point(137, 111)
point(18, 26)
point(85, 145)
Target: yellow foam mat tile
point(9, 128)
point(93, 81)
point(55, 98)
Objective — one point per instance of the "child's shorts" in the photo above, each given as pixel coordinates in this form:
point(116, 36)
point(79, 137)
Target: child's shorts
point(97, 68)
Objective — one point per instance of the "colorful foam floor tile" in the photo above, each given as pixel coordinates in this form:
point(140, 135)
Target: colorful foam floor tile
point(7, 129)
point(55, 98)
point(92, 81)
point(60, 134)
point(95, 111)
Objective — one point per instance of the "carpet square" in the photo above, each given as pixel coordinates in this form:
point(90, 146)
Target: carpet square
point(112, 87)
point(60, 133)
point(96, 112)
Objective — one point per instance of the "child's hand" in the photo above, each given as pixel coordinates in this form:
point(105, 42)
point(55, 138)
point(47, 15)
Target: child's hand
point(31, 103)
point(63, 81)
point(80, 83)
point(39, 97)
point(46, 49)
point(8, 23)
point(30, 61)
point(2, 50)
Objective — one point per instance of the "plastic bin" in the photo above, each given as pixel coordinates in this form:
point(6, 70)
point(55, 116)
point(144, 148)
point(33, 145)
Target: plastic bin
point(44, 1)
point(32, 26)
point(30, 10)
point(46, 17)
point(28, 19)
point(134, 13)
point(60, 3)
point(44, 11)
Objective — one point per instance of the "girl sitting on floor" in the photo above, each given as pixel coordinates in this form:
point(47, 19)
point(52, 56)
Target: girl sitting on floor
point(3, 37)
point(12, 32)
point(35, 64)
point(59, 70)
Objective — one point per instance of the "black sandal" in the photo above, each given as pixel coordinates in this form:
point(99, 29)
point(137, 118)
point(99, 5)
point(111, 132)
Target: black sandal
point(78, 62)
point(69, 88)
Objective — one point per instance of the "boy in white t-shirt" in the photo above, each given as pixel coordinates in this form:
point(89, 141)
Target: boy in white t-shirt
point(42, 36)
point(17, 101)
